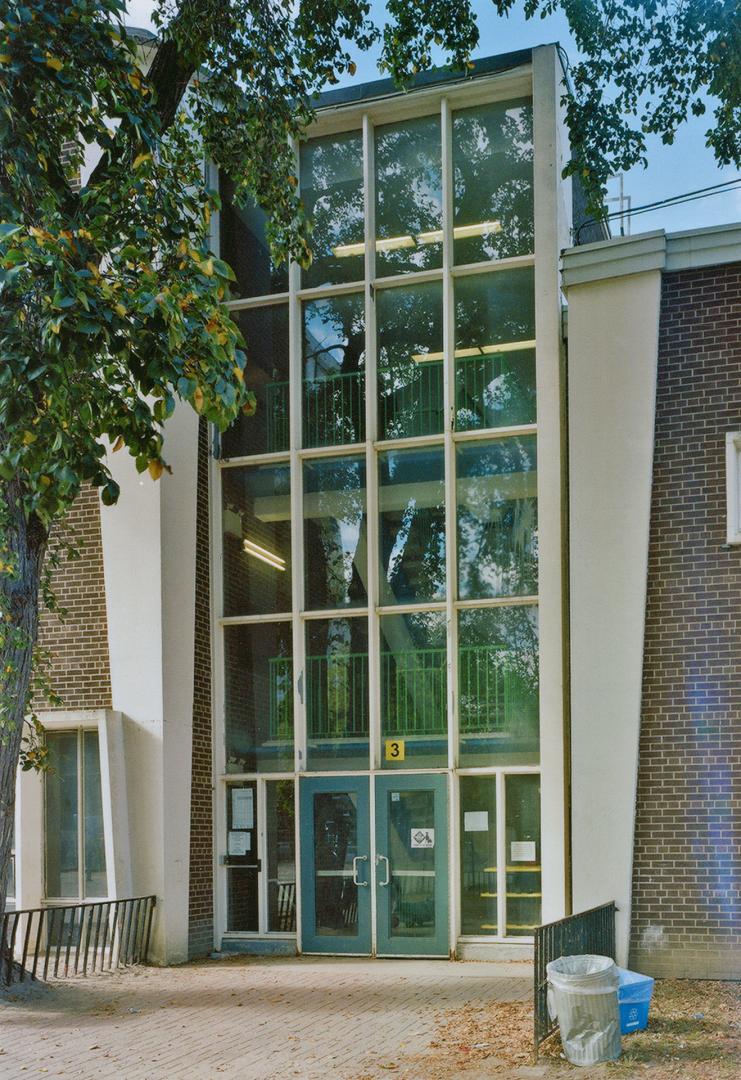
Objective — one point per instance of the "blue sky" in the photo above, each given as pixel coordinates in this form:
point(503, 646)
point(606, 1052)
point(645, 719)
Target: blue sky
point(672, 170)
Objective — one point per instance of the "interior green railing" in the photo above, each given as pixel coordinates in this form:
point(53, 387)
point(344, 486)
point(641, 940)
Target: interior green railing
point(413, 693)
point(410, 399)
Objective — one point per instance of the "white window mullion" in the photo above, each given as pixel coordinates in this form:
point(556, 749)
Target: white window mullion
point(501, 858)
point(446, 120)
point(371, 458)
point(295, 366)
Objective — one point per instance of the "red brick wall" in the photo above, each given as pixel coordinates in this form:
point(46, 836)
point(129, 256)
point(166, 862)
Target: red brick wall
point(686, 912)
point(78, 667)
point(201, 900)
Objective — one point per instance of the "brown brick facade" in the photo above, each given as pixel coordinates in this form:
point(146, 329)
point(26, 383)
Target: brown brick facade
point(686, 913)
point(201, 899)
point(78, 668)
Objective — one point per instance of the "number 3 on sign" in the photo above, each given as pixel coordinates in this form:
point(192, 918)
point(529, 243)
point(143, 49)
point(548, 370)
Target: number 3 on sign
point(394, 749)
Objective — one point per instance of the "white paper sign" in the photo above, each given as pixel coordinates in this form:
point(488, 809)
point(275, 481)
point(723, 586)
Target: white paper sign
point(395, 796)
point(476, 821)
point(243, 808)
point(522, 851)
point(423, 838)
point(239, 842)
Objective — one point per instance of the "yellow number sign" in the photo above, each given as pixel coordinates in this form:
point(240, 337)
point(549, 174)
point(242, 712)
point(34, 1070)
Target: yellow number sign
point(394, 749)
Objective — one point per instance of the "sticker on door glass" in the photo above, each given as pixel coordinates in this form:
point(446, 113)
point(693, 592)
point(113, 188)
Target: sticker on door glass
point(423, 838)
point(238, 842)
point(522, 851)
point(394, 749)
point(476, 821)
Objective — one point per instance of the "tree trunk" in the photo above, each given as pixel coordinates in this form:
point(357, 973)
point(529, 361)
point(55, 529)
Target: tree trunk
point(25, 546)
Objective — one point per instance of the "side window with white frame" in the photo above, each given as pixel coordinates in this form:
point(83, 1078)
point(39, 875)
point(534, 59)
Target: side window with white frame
point(733, 486)
point(74, 840)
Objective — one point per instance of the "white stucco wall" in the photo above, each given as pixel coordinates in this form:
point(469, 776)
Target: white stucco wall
point(613, 341)
point(149, 556)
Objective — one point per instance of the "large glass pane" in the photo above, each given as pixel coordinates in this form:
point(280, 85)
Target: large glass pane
point(493, 181)
point(337, 693)
point(478, 831)
point(334, 371)
point(335, 533)
point(410, 361)
point(280, 824)
point(495, 350)
point(332, 190)
point(267, 431)
point(497, 518)
point(256, 522)
point(243, 872)
point(96, 881)
point(411, 505)
point(61, 820)
point(335, 845)
point(414, 715)
point(498, 686)
point(411, 867)
point(522, 808)
point(258, 698)
point(245, 247)
point(408, 196)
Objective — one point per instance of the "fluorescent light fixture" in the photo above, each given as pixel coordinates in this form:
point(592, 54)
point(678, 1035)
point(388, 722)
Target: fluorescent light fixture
point(480, 228)
point(475, 350)
point(507, 346)
point(344, 251)
point(427, 357)
point(391, 243)
point(433, 237)
point(264, 555)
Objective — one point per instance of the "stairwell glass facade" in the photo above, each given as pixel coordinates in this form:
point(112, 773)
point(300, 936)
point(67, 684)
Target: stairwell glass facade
point(377, 589)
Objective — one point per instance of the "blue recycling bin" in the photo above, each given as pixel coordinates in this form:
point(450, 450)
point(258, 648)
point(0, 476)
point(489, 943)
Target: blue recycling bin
point(634, 998)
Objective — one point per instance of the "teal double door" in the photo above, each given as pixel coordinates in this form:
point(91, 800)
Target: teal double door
point(389, 897)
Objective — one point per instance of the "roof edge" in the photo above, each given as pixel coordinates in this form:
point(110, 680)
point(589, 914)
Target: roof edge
point(651, 251)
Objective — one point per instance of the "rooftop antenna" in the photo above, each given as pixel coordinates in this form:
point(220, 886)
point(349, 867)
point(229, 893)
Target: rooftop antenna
point(624, 205)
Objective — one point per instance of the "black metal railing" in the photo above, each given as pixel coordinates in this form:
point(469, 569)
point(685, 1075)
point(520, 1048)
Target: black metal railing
point(590, 932)
point(75, 939)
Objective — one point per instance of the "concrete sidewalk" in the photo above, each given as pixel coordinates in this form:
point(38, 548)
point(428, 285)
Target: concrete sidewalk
point(246, 1018)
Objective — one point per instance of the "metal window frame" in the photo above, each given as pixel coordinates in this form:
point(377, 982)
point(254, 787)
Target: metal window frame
point(442, 101)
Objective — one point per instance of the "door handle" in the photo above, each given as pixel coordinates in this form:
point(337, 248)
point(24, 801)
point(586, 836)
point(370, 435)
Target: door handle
point(356, 860)
point(388, 874)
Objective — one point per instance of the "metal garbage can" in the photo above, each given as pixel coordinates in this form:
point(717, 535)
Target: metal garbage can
point(583, 994)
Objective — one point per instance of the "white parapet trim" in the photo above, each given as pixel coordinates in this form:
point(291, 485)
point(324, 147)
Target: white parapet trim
point(613, 349)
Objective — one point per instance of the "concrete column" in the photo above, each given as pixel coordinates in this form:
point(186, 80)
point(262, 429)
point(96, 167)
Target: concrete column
point(613, 347)
point(552, 223)
point(149, 557)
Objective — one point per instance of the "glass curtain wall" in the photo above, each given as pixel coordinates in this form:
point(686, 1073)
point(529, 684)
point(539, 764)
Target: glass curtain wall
point(379, 512)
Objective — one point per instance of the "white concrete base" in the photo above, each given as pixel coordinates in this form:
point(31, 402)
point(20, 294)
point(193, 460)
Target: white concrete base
point(497, 950)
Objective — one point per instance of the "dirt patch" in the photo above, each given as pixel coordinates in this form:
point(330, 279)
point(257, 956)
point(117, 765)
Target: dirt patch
point(694, 1033)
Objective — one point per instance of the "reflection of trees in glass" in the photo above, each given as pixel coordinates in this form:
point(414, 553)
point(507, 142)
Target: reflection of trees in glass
point(498, 678)
point(413, 674)
point(410, 387)
point(493, 179)
point(494, 389)
point(408, 195)
point(337, 679)
point(497, 518)
point(335, 532)
point(412, 525)
point(332, 190)
point(334, 377)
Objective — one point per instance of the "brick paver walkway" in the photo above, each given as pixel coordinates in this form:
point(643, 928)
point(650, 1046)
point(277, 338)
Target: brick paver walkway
point(252, 1019)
